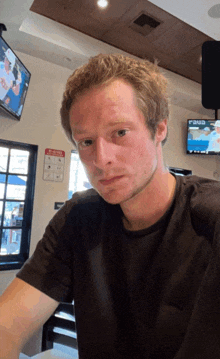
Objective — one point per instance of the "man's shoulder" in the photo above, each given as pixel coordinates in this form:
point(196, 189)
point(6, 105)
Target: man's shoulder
point(81, 202)
point(80, 209)
point(203, 201)
point(84, 216)
point(78, 199)
point(200, 186)
point(87, 197)
point(200, 181)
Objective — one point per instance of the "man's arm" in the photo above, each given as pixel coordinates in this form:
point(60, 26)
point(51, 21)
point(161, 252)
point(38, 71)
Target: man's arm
point(23, 310)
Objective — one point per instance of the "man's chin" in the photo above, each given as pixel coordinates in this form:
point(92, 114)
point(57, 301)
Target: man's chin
point(111, 197)
point(115, 193)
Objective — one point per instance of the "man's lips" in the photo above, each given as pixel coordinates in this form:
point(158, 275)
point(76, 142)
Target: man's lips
point(106, 181)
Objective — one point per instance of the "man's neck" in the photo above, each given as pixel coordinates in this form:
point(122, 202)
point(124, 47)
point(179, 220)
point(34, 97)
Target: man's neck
point(149, 206)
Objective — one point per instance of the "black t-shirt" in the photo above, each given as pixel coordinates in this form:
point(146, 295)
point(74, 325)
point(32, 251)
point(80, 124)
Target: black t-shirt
point(151, 294)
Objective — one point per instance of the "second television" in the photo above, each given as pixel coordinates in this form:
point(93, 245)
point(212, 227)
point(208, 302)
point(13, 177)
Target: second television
point(203, 137)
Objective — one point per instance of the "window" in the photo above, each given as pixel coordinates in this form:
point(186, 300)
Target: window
point(78, 179)
point(17, 179)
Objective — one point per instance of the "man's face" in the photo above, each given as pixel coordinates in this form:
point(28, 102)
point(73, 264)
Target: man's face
point(116, 148)
point(217, 129)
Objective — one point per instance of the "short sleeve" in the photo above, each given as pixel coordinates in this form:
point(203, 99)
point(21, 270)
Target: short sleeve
point(50, 268)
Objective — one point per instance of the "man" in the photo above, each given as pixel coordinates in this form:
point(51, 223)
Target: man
point(214, 140)
point(7, 79)
point(139, 253)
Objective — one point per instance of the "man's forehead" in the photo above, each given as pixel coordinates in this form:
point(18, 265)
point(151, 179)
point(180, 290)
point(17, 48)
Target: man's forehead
point(104, 102)
point(115, 88)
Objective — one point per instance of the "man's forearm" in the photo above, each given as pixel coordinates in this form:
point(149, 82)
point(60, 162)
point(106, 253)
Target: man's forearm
point(9, 348)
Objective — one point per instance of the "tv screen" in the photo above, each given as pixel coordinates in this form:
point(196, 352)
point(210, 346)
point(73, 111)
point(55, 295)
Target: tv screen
point(203, 137)
point(14, 81)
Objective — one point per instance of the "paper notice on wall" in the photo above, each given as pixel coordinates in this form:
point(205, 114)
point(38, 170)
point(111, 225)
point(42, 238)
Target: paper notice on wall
point(54, 161)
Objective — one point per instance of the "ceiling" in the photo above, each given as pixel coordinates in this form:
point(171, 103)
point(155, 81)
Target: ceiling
point(128, 25)
point(68, 32)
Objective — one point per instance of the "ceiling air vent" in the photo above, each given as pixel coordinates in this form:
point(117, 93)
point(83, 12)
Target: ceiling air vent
point(144, 24)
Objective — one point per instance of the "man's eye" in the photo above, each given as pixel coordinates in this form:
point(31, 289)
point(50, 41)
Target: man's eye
point(85, 143)
point(121, 133)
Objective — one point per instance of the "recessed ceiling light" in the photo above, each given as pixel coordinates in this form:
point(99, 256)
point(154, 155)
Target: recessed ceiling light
point(214, 11)
point(102, 4)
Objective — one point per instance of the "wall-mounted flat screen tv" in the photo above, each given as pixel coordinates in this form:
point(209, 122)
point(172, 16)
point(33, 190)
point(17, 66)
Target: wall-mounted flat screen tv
point(14, 81)
point(203, 137)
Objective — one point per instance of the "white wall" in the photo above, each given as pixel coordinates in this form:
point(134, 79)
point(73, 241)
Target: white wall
point(40, 125)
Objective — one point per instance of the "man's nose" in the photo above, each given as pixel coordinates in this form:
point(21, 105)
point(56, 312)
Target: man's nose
point(103, 153)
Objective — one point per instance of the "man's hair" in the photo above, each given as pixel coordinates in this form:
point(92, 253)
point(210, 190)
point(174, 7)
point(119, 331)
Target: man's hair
point(149, 84)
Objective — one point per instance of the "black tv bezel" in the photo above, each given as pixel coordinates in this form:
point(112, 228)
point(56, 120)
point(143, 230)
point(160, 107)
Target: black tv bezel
point(200, 153)
point(12, 113)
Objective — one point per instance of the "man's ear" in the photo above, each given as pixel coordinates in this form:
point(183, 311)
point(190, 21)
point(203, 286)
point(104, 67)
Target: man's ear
point(161, 131)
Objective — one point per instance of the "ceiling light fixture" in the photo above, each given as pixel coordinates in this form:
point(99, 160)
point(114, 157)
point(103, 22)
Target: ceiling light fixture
point(214, 11)
point(102, 4)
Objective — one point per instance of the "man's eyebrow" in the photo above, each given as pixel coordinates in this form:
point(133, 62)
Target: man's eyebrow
point(78, 131)
point(119, 122)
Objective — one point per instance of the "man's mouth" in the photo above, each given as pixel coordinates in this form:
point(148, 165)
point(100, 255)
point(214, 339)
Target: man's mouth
point(110, 180)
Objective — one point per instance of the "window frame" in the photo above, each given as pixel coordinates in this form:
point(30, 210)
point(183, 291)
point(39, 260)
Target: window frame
point(16, 261)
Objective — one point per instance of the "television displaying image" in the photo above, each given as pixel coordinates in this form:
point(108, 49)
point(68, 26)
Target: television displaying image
point(203, 137)
point(14, 81)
